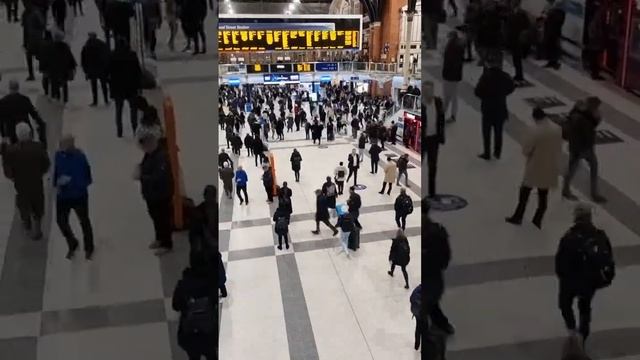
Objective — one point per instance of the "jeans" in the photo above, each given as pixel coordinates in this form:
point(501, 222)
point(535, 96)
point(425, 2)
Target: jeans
point(340, 186)
point(406, 177)
point(574, 160)
point(94, 89)
point(401, 220)
point(344, 241)
point(58, 85)
point(384, 186)
point(450, 95)
point(242, 188)
point(81, 207)
point(268, 188)
point(432, 147)
point(517, 55)
point(200, 35)
point(133, 114)
point(489, 125)
point(374, 166)
point(160, 211)
point(354, 172)
point(568, 292)
point(286, 239)
point(525, 191)
point(30, 56)
point(296, 173)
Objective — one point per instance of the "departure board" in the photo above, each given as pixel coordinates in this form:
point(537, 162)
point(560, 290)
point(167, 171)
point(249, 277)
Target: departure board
point(257, 69)
point(265, 33)
point(303, 67)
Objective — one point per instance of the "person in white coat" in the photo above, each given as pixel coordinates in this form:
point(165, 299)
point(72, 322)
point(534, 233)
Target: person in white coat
point(542, 150)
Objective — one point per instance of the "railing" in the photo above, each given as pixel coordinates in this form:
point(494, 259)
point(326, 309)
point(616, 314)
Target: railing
point(408, 102)
point(393, 68)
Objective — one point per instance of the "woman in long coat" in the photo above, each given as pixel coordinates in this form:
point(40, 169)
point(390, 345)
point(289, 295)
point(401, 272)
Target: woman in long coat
point(542, 168)
point(399, 255)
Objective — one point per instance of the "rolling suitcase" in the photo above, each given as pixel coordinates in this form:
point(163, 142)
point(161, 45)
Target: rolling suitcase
point(354, 239)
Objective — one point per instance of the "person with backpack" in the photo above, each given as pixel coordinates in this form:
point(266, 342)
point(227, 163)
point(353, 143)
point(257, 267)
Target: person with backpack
point(322, 213)
point(436, 255)
point(296, 159)
point(354, 160)
point(330, 190)
point(281, 219)
point(403, 207)
point(340, 174)
point(403, 166)
point(420, 314)
point(580, 130)
point(390, 171)
point(193, 298)
point(346, 225)
point(584, 263)
point(399, 255)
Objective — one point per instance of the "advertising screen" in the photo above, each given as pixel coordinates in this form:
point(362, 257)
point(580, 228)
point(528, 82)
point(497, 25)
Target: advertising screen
point(301, 32)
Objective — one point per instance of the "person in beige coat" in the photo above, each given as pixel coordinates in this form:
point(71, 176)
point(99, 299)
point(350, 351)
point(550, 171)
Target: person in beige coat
point(542, 151)
point(390, 174)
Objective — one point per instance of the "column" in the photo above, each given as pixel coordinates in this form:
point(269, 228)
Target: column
point(406, 66)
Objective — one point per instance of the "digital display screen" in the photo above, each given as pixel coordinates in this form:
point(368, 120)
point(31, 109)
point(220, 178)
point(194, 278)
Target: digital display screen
point(278, 78)
point(327, 66)
point(281, 68)
point(265, 33)
point(257, 69)
point(303, 67)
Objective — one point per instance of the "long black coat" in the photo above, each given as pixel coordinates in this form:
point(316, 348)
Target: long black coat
point(125, 74)
point(493, 88)
point(397, 255)
point(322, 208)
point(95, 58)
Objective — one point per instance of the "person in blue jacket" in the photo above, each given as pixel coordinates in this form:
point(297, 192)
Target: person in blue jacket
point(72, 177)
point(241, 184)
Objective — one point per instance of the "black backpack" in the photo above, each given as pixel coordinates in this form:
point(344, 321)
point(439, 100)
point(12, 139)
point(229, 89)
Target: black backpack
point(341, 174)
point(198, 317)
point(416, 302)
point(407, 204)
point(281, 225)
point(597, 259)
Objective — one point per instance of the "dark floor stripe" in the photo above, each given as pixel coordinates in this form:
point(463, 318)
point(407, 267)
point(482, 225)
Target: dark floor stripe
point(607, 344)
point(95, 317)
point(19, 348)
point(23, 274)
point(619, 205)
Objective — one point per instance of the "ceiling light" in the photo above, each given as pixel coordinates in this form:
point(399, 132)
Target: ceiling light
point(296, 1)
point(287, 12)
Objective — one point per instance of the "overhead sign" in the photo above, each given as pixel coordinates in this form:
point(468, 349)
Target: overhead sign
point(281, 78)
point(257, 69)
point(294, 32)
point(304, 67)
point(331, 66)
point(281, 68)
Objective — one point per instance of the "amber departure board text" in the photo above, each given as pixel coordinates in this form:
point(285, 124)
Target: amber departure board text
point(265, 40)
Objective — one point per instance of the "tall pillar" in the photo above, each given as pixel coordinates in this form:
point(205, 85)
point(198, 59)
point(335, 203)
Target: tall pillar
point(407, 47)
point(375, 45)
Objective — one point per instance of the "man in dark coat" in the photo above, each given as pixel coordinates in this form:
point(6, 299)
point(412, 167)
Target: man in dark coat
point(518, 39)
point(16, 108)
point(95, 64)
point(493, 88)
point(62, 67)
point(125, 76)
point(25, 163)
point(322, 213)
point(116, 19)
point(433, 132)
point(267, 182)
point(33, 26)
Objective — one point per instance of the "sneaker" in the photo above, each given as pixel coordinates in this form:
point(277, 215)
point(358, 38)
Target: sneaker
point(154, 245)
point(514, 221)
point(315, 232)
point(390, 273)
point(279, 247)
point(567, 194)
point(241, 202)
point(70, 254)
point(406, 286)
point(335, 233)
point(287, 246)
point(162, 251)
point(484, 157)
point(381, 192)
point(88, 254)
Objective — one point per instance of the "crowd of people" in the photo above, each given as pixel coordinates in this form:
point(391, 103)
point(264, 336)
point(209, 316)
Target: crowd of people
point(584, 261)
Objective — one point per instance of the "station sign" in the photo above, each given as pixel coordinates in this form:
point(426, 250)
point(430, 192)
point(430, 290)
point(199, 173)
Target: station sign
point(327, 66)
point(281, 78)
point(301, 32)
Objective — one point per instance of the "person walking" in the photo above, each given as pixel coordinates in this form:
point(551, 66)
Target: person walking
point(353, 161)
point(492, 89)
point(296, 159)
point(580, 130)
point(95, 64)
point(72, 178)
point(374, 152)
point(267, 182)
point(362, 141)
point(222, 277)
point(403, 166)
point(194, 299)
point(354, 204)
point(340, 174)
point(519, 38)
point(553, 23)
point(33, 26)
point(125, 77)
point(452, 65)
point(399, 255)
point(403, 206)
point(584, 263)
point(17, 108)
point(171, 15)
point(432, 111)
point(436, 254)
point(346, 225)
point(281, 220)
point(226, 175)
point(152, 19)
point(322, 213)
point(596, 41)
point(329, 190)
point(25, 163)
point(62, 68)
point(157, 187)
point(390, 174)
point(241, 184)
point(542, 150)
